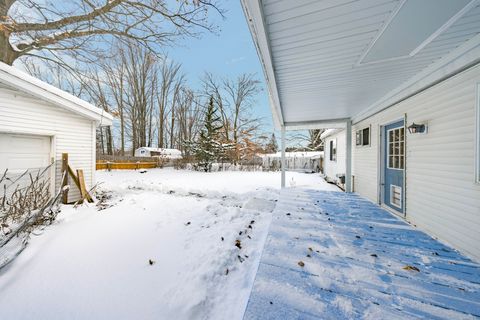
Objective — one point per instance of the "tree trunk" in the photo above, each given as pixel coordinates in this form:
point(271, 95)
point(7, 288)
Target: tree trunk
point(109, 140)
point(7, 54)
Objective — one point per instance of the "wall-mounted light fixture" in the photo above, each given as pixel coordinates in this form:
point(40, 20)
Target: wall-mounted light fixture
point(417, 128)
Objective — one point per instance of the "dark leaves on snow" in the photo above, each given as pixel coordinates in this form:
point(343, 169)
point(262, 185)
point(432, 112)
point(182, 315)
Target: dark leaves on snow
point(151, 262)
point(411, 268)
point(374, 255)
point(238, 244)
point(188, 223)
point(301, 264)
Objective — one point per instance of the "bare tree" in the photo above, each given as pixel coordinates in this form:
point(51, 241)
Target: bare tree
point(48, 29)
point(241, 93)
point(169, 73)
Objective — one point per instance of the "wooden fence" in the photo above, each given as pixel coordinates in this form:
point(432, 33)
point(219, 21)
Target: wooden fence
point(107, 165)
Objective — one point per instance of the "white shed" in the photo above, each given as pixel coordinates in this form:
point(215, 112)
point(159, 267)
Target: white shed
point(335, 150)
point(164, 153)
point(39, 122)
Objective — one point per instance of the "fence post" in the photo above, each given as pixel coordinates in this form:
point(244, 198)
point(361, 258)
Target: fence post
point(65, 177)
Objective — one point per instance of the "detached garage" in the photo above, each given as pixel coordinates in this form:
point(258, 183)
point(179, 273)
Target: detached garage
point(39, 122)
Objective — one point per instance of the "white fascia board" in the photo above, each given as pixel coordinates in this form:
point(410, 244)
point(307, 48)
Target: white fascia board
point(330, 132)
point(317, 124)
point(256, 23)
point(23, 82)
point(463, 57)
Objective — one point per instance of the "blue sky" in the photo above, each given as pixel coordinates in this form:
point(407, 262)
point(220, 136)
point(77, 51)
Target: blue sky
point(229, 53)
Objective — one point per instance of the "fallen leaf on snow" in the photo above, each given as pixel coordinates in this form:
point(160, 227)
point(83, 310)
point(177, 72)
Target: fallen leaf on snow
point(238, 244)
point(411, 268)
point(301, 264)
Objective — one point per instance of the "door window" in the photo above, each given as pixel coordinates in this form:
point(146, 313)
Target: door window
point(396, 148)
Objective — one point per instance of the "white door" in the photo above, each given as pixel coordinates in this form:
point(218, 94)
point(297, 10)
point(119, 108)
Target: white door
point(20, 153)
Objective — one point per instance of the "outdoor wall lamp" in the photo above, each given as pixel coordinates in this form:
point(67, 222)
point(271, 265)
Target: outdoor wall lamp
point(417, 128)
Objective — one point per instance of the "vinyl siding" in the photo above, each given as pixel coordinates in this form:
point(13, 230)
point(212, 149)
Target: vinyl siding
point(72, 133)
point(442, 197)
point(332, 168)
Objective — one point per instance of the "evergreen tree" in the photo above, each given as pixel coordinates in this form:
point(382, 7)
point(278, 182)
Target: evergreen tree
point(209, 148)
point(272, 146)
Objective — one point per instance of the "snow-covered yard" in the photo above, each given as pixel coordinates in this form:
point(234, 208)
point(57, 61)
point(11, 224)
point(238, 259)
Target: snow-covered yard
point(164, 244)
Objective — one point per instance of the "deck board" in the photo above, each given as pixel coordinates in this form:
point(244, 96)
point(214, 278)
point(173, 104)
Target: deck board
point(354, 254)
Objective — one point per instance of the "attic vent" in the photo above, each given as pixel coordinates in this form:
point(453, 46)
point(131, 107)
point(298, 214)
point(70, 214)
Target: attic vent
point(396, 196)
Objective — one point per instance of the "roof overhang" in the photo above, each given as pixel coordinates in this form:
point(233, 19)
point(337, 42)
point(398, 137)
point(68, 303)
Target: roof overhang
point(17, 80)
point(328, 62)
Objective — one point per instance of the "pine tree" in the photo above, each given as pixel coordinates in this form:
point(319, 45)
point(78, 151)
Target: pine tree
point(272, 146)
point(209, 148)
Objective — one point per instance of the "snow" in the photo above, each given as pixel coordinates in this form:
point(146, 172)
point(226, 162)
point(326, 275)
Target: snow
point(164, 152)
point(295, 154)
point(95, 264)
point(358, 262)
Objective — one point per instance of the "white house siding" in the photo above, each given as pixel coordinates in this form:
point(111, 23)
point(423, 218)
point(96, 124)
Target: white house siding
point(441, 195)
point(333, 168)
point(71, 133)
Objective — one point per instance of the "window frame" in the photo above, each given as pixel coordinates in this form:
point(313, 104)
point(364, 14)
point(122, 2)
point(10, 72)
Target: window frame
point(333, 146)
point(401, 151)
point(360, 137)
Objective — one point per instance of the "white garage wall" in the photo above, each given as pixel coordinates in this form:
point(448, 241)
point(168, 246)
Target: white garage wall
point(442, 196)
point(72, 133)
point(332, 168)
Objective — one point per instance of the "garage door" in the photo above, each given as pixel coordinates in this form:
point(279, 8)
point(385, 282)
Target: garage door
point(21, 153)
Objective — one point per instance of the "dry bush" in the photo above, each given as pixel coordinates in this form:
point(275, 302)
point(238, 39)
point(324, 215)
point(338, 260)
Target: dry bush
point(25, 204)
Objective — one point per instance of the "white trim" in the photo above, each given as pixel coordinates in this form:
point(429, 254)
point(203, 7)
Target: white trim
point(53, 169)
point(317, 124)
point(361, 145)
point(94, 155)
point(253, 11)
point(282, 159)
point(477, 134)
point(380, 33)
point(444, 27)
point(23, 82)
point(450, 65)
point(422, 45)
point(387, 148)
point(348, 158)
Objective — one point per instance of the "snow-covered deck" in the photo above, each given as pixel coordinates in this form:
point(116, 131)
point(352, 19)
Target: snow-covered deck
point(359, 261)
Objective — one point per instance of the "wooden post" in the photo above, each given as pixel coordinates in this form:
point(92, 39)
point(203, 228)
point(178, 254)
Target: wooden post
point(81, 182)
point(65, 177)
